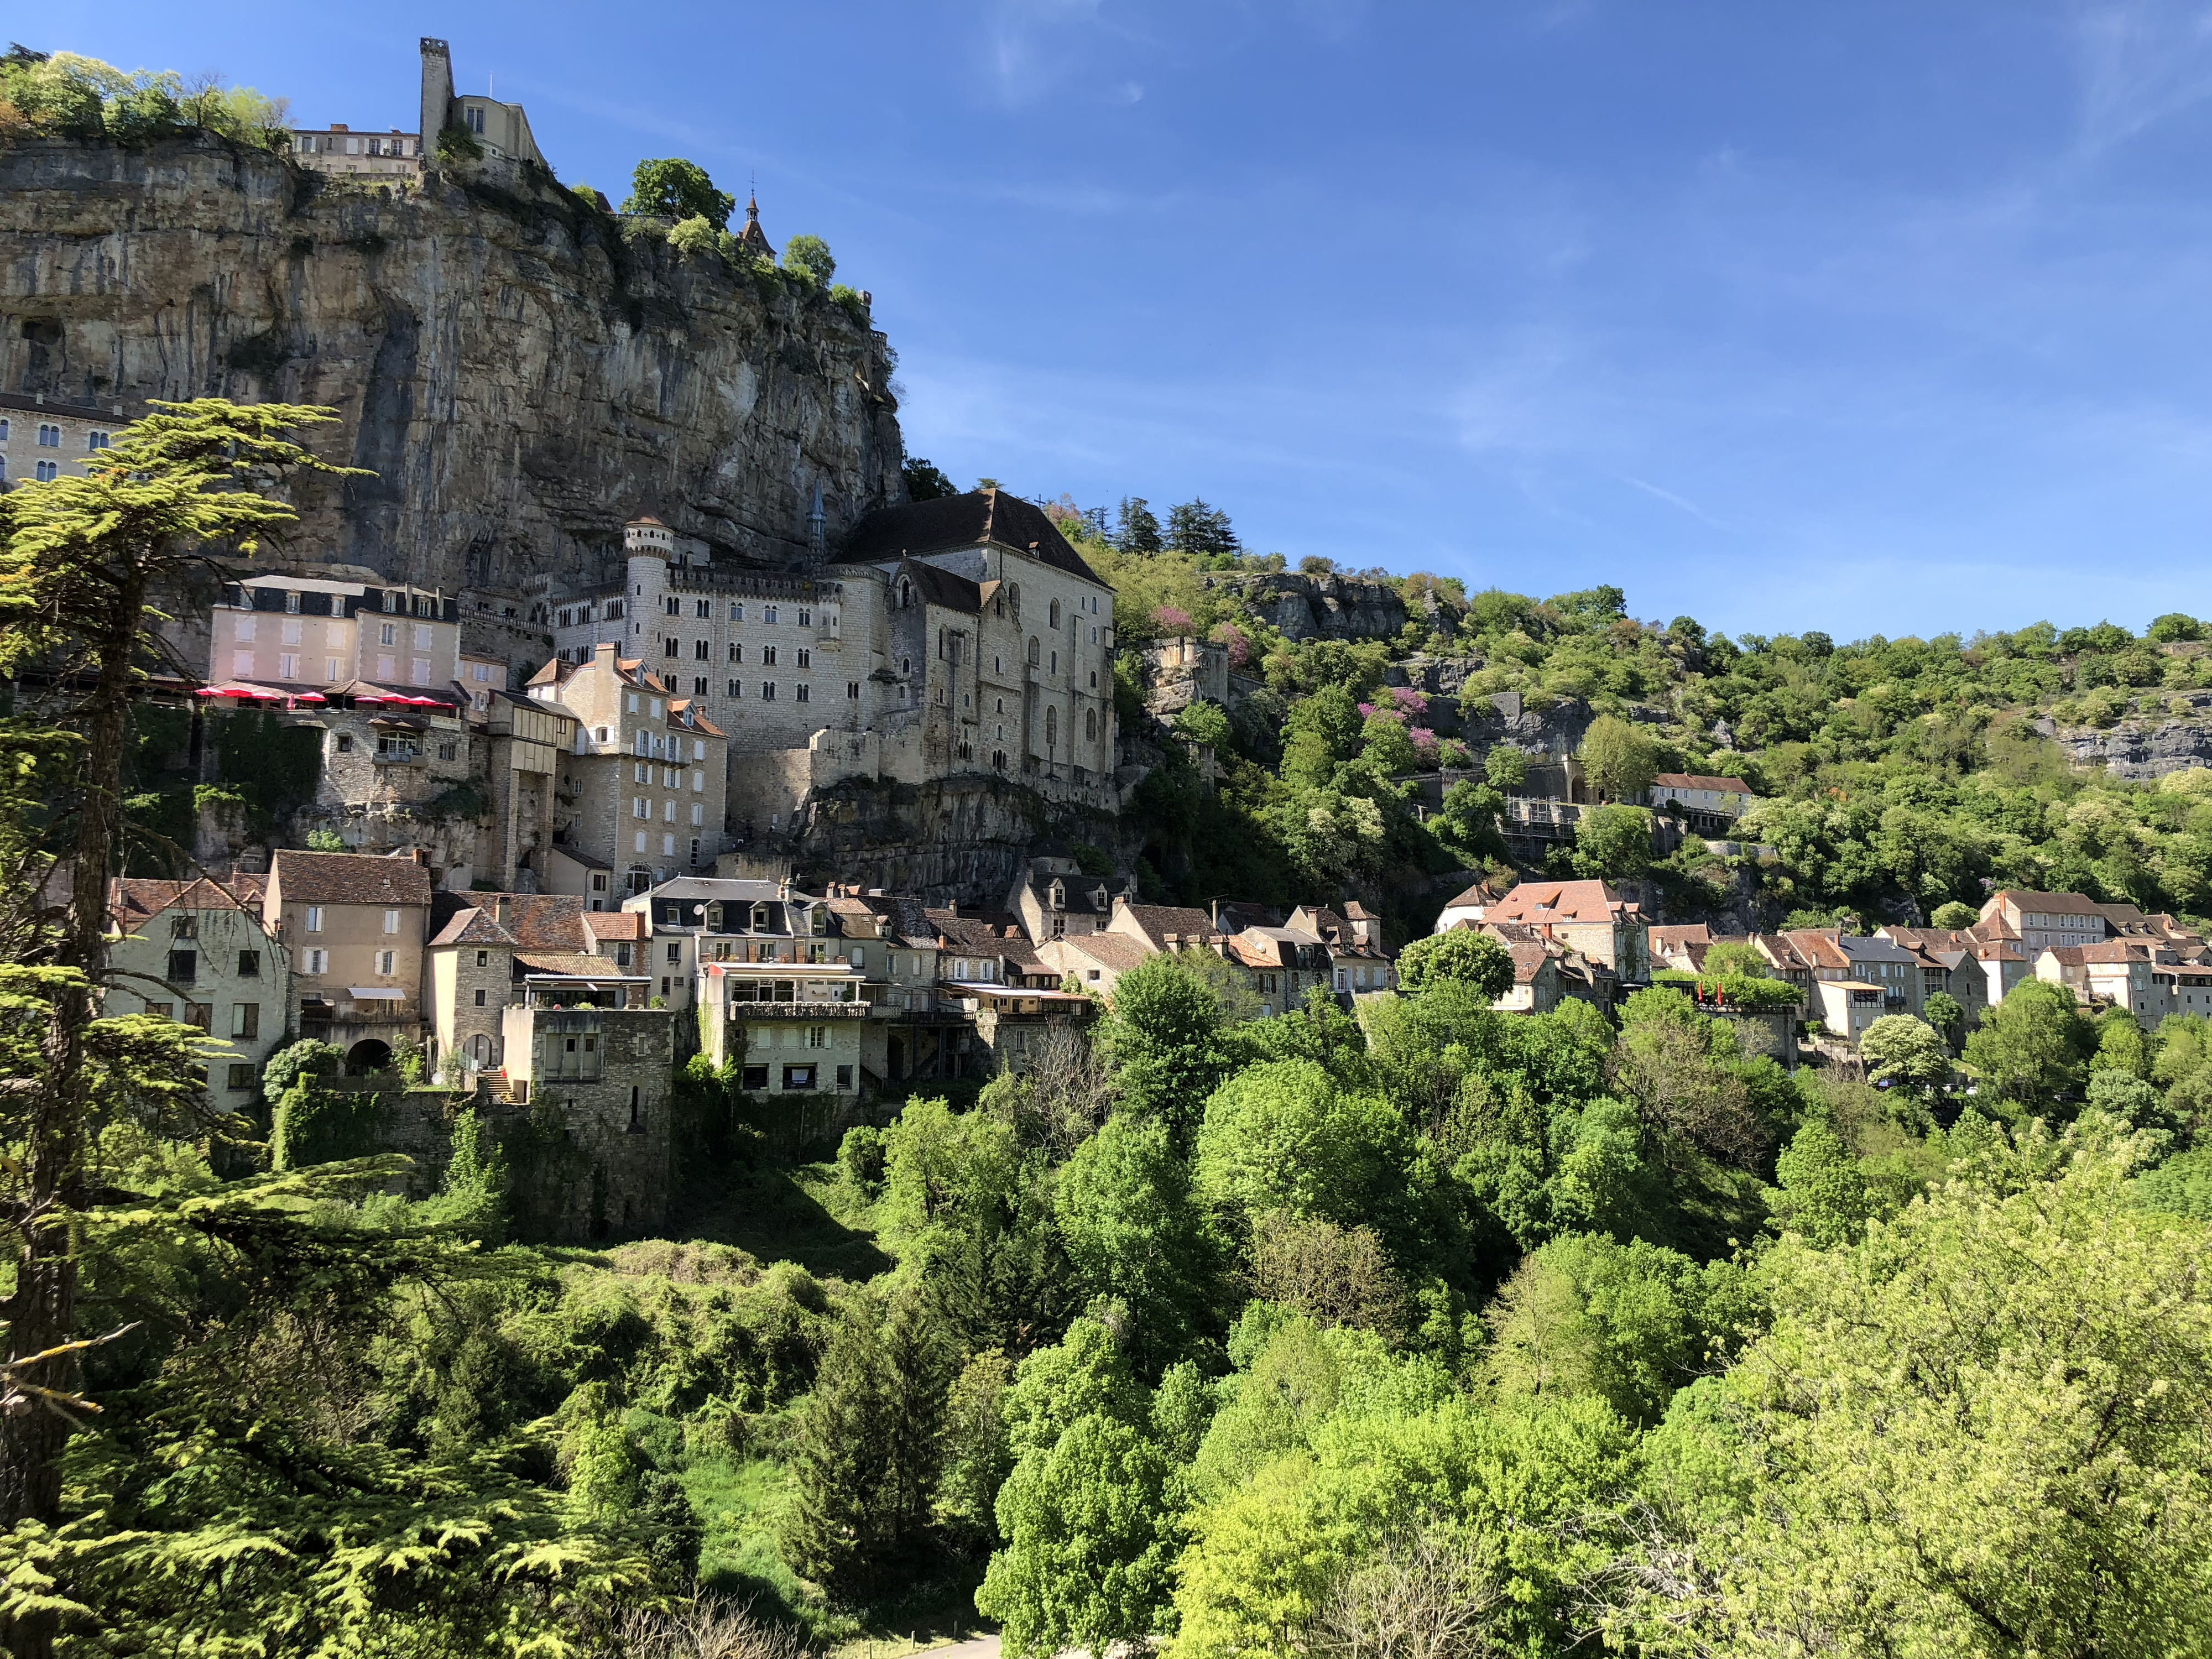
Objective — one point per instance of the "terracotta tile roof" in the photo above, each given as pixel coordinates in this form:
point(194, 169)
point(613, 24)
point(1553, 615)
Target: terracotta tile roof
point(1674, 938)
point(574, 964)
point(1528, 960)
point(618, 924)
point(1699, 781)
point(970, 521)
point(350, 879)
point(1562, 900)
point(535, 922)
point(1474, 898)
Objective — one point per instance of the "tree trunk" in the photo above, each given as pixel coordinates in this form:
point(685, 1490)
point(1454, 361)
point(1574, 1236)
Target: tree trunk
point(41, 1313)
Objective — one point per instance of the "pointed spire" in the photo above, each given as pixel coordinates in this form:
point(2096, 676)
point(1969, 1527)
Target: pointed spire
point(753, 239)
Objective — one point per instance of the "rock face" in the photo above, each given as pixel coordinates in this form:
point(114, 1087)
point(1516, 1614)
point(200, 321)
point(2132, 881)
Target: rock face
point(2144, 749)
point(1319, 607)
point(961, 841)
point(521, 379)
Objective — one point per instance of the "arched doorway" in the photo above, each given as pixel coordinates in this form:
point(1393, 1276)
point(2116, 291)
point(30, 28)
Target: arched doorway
point(367, 1056)
point(480, 1051)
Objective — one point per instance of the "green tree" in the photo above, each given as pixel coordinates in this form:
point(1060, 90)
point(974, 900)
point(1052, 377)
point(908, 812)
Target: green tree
point(1612, 843)
point(1955, 916)
point(1462, 955)
point(2021, 1356)
point(84, 556)
point(1134, 1236)
point(1387, 746)
point(1898, 1048)
point(2032, 1048)
point(925, 483)
point(1194, 527)
point(1504, 767)
point(1619, 759)
point(1090, 1536)
point(1204, 722)
point(671, 188)
point(1165, 1039)
point(1137, 530)
point(1821, 1193)
point(808, 257)
point(868, 1446)
point(1942, 1012)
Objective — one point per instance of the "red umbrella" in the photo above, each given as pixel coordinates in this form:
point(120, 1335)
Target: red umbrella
point(311, 696)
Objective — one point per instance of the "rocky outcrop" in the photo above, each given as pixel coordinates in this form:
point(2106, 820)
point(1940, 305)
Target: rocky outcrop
point(2142, 748)
point(961, 841)
point(1300, 607)
point(520, 377)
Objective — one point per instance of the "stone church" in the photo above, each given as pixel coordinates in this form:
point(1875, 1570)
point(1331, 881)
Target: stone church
point(961, 636)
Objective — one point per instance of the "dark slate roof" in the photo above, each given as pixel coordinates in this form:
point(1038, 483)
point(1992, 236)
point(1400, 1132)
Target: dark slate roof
point(969, 520)
point(942, 587)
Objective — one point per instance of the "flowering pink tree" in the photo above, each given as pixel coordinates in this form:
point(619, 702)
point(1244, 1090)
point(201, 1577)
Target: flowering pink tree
point(1425, 744)
point(1173, 620)
point(1239, 643)
point(1407, 700)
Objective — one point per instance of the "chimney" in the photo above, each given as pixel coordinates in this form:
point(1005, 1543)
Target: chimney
point(420, 856)
point(499, 910)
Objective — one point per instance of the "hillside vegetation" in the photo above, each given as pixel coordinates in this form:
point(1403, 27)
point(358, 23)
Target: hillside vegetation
point(1900, 775)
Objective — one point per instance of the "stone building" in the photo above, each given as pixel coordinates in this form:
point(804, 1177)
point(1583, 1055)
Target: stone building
point(644, 788)
point(953, 637)
point(1181, 671)
point(354, 927)
point(396, 157)
point(698, 919)
point(1054, 899)
point(322, 626)
point(199, 951)
point(1587, 917)
point(791, 1028)
point(523, 745)
point(602, 1076)
point(488, 950)
point(40, 439)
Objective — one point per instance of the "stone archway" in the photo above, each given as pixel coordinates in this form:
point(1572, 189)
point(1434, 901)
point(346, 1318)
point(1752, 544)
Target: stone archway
point(369, 1056)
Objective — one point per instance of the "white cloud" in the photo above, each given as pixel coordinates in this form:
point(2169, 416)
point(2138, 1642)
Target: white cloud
point(2142, 62)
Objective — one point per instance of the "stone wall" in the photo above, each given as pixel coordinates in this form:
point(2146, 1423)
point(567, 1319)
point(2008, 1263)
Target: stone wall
point(506, 361)
point(594, 1161)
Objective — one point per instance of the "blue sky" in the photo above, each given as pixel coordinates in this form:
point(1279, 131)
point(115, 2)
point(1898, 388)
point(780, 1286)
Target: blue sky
point(1869, 317)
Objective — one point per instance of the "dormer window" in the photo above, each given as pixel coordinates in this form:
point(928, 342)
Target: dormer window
point(1059, 899)
point(759, 918)
point(1098, 898)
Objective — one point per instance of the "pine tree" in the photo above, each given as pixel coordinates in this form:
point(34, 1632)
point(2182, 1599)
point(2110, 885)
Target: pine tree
point(841, 1459)
point(917, 1371)
point(1140, 531)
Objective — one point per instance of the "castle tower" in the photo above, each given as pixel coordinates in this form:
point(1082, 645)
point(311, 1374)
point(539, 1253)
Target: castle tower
point(651, 546)
point(437, 92)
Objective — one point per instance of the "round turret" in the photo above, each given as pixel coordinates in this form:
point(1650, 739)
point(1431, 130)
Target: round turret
point(648, 538)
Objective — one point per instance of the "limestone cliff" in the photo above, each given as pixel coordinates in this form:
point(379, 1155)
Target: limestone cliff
point(1330, 607)
point(520, 377)
point(2145, 745)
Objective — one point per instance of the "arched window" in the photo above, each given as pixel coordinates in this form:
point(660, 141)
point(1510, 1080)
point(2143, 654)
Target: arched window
point(906, 593)
point(1036, 654)
point(1051, 727)
point(1014, 600)
point(1055, 613)
point(1091, 725)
